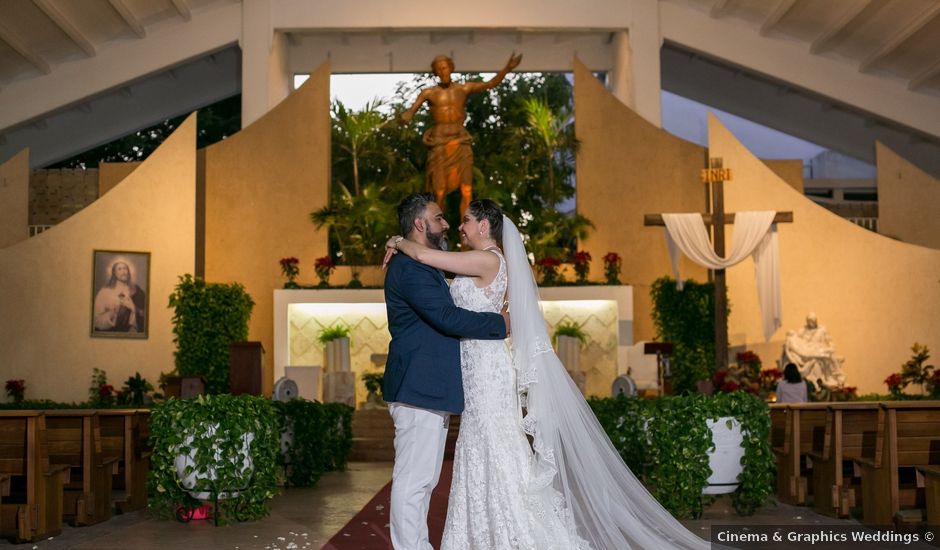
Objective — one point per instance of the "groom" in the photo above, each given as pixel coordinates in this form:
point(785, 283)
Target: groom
point(422, 385)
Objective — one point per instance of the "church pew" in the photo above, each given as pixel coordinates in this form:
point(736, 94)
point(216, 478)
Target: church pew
point(932, 492)
point(75, 442)
point(804, 426)
point(31, 506)
point(908, 436)
point(124, 437)
point(850, 432)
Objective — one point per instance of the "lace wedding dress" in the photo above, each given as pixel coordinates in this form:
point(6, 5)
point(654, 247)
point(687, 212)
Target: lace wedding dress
point(494, 503)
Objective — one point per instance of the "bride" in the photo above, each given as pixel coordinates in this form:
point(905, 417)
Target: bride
point(569, 489)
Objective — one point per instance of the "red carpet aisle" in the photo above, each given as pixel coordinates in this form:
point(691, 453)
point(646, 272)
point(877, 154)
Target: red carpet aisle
point(368, 530)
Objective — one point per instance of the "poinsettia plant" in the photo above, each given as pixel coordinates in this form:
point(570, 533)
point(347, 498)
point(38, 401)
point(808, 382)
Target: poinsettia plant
point(548, 269)
point(290, 268)
point(324, 267)
point(16, 389)
point(582, 265)
point(612, 263)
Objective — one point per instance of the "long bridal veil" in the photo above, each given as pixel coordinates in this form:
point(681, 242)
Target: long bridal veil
point(608, 506)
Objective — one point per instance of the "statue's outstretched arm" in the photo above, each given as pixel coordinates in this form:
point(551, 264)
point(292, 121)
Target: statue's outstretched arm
point(406, 116)
point(513, 62)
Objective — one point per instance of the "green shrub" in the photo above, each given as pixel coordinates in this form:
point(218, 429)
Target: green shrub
point(665, 443)
point(322, 438)
point(180, 427)
point(208, 317)
point(686, 319)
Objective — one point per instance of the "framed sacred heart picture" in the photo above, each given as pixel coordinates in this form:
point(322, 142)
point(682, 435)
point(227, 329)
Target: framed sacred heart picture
point(120, 286)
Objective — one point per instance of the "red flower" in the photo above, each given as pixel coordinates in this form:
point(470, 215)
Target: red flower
point(16, 385)
point(324, 262)
point(893, 381)
point(582, 257)
point(720, 376)
point(771, 374)
point(612, 258)
point(105, 390)
point(729, 386)
point(748, 357)
point(548, 261)
point(289, 261)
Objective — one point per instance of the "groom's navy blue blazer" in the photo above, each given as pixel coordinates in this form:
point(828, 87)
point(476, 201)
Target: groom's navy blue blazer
point(423, 367)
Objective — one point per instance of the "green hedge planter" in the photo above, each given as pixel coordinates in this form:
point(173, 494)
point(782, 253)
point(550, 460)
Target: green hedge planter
point(315, 438)
point(666, 443)
point(221, 445)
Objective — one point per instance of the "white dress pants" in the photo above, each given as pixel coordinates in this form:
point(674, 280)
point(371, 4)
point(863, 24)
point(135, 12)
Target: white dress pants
point(420, 435)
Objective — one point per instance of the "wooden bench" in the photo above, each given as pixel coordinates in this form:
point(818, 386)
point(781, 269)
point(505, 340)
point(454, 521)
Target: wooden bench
point(932, 492)
point(124, 435)
point(850, 433)
point(908, 437)
point(75, 442)
point(803, 428)
point(31, 506)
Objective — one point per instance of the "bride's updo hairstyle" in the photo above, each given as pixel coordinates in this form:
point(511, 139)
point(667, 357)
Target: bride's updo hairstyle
point(485, 209)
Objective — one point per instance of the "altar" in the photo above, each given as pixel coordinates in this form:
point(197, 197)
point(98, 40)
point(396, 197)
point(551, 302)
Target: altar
point(604, 313)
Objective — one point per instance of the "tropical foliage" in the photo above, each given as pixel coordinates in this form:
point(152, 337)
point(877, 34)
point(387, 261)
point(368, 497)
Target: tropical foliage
point(524, 149)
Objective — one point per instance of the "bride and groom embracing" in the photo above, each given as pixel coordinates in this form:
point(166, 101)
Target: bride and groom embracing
point(568, 488)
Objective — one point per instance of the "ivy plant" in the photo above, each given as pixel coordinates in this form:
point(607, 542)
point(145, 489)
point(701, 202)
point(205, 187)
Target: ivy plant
point(686, 319)
point(665, 442)
point(182, 427)
point(207, 318)
point(322, 439)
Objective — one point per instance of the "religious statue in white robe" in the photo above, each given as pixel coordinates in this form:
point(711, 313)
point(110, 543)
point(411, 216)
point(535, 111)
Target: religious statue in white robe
point(812, 351)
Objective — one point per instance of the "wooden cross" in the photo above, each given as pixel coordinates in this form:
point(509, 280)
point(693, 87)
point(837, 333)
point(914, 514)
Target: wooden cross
point(715, 216)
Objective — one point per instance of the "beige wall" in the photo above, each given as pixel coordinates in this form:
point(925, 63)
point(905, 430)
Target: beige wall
point(261, 185)
point(46, 295)
point(14, 199)
point(626, 168)
point(111, 174)
point(790, 171)
point(876, 296)
point(908, 200)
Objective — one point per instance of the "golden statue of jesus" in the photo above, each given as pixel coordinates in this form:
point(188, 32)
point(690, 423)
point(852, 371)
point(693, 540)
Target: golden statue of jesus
point(450, 155)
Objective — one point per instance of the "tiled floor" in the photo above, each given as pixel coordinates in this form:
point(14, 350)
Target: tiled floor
point(306, 518)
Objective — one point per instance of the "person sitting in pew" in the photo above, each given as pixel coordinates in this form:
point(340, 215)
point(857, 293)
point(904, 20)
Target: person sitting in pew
point(792, 389)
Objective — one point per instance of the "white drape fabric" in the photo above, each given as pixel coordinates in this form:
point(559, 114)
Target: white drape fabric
point(608, 506)
point(755, 235)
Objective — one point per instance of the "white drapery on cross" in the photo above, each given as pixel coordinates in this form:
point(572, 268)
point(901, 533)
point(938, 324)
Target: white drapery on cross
point(754, 234)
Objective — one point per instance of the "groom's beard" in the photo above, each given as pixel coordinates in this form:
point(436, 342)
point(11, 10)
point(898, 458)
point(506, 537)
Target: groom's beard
point(437, 240)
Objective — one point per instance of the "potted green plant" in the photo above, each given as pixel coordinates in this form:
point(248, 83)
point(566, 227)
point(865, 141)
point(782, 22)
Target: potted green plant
point(135, 391)
point(321, 439)
point(221, 448)
point(339, 382)
point(687, 448)
point(207, 319)
point(569, 338)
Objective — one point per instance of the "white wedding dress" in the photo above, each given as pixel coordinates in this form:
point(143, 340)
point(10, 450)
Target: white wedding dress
point(570, 489)
point(491, 504)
